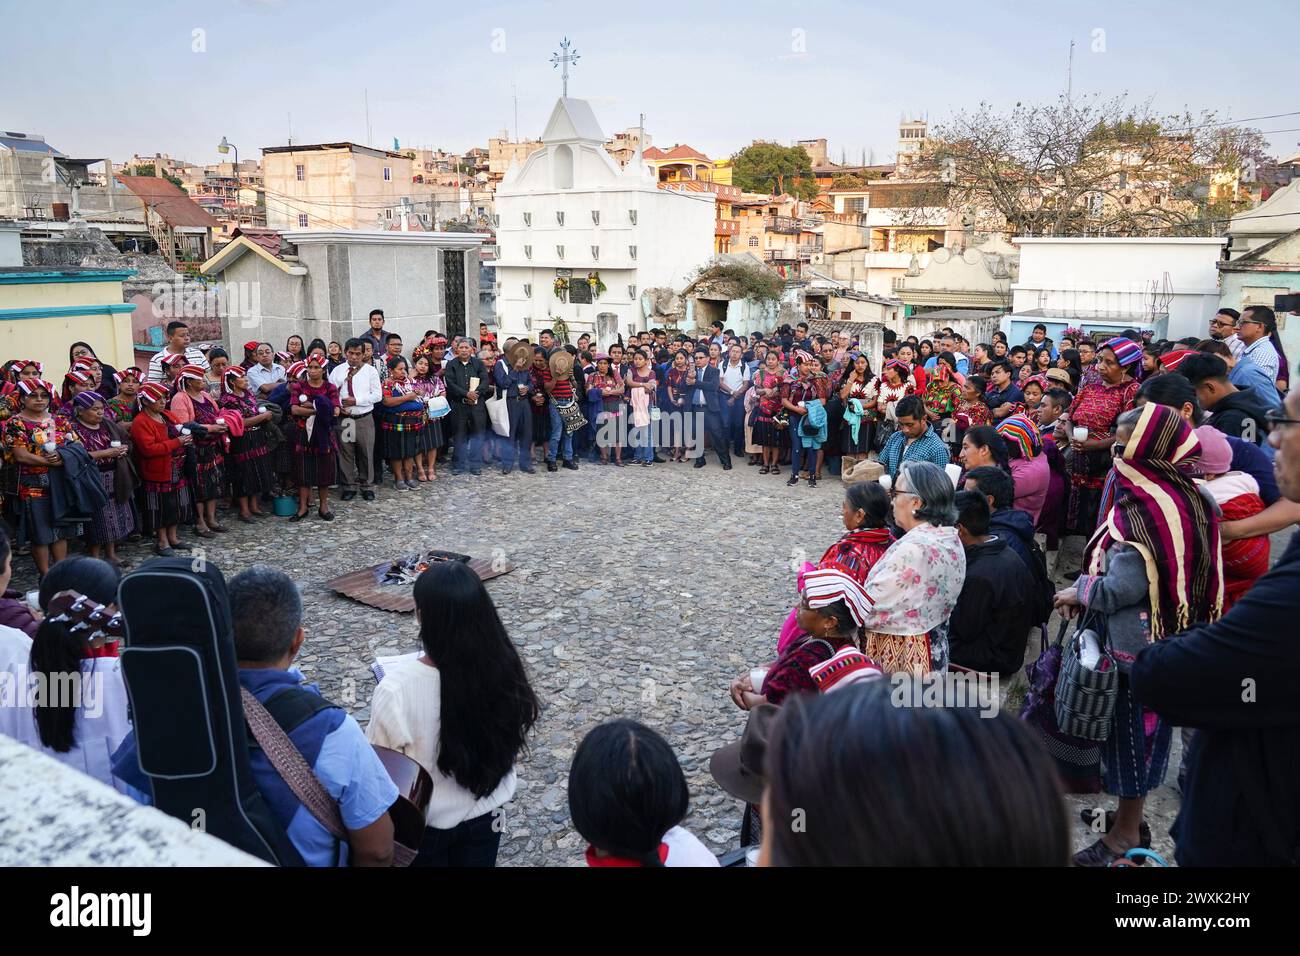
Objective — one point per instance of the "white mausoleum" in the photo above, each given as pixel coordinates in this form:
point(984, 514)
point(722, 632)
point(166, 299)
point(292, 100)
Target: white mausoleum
point(571, 212)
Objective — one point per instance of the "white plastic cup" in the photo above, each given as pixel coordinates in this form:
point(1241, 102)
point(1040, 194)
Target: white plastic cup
point(115, 444)
point(1079, 433)
point(49, 447)
point(302, 399)
point(756, 677)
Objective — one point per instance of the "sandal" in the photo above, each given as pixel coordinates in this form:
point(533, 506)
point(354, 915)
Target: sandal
point(1100, 855)
point(766, 469)
point(776, 469)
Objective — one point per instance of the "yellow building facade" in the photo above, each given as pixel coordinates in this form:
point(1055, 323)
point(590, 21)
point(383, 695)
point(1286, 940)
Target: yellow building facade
point(42, 312)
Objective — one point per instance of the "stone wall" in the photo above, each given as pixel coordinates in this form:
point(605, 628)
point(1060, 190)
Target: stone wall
point(52, 815)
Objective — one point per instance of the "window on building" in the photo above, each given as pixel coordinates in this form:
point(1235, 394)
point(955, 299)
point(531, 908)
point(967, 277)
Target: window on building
point(388, 214)
point(300, 172)
point(753, 242)
point(302, 217)
point(388, 174)
point(854, 204)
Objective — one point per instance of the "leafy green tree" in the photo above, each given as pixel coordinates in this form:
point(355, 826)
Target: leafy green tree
point(146, 169)
point(772, 168)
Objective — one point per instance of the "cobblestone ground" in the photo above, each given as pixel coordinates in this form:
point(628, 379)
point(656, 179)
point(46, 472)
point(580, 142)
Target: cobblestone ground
point(638, 592)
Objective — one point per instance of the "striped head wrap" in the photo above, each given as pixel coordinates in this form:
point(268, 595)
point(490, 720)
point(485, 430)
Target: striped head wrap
point(1171, 360)
point(129, 372)
point(87, 399)
point(233, 372)
point(296, 371)
point(31, 363)
point(29, 385)
point(1041, 380)
point(282, 356)
point(85, 363)
point(1127, 352)
point(315, 358)
point(78, 376)
point(825, 586)
point(1160, 513)
point(1018, 430)
point(152, 392)
point(174, 360)
point(194, 372)
point(800, 355)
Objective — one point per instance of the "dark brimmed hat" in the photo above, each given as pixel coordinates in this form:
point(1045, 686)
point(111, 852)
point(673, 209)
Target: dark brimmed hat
point(738, 767)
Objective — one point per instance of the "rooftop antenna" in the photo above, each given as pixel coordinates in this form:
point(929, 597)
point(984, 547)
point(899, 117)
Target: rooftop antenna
point(1069, 76)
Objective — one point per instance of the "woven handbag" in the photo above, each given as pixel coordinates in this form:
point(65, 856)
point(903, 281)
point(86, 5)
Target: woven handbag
point(1078, 762)
point(1085, 699)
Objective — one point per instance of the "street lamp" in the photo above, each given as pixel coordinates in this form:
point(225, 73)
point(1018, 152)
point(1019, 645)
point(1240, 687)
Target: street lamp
point(226, 146)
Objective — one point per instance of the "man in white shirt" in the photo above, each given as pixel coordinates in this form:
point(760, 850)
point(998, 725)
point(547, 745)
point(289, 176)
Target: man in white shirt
point(178, 343)
point(1254, 328)
point(266, 372)
point(359, 392)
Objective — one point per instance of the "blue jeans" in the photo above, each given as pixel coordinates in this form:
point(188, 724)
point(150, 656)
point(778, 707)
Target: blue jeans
point(642, 440)
point(803, 456)
point(561, 440)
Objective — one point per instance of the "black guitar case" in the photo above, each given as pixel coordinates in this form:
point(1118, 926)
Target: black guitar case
point(182, 681)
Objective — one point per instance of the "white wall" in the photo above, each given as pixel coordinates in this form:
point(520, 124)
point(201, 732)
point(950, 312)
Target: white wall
point(1118, 275)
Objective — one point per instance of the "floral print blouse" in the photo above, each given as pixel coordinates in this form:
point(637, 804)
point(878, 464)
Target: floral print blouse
point(913, 588)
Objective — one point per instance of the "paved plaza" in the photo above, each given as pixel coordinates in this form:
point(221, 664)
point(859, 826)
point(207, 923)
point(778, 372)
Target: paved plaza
point(638, 592)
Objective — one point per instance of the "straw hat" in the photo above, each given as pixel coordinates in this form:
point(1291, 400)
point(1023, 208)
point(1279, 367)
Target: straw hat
point(561, 363)
point(520, 353)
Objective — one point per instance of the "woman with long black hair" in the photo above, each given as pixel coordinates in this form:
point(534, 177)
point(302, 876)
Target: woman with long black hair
point(462, 709)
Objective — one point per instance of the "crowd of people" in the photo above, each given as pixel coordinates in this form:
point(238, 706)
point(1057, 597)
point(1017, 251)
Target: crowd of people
point(1174, 461)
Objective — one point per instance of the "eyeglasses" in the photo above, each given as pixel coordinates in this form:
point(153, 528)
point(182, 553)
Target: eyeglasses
point(1241, 322)
point(895, 492)
point(1276, 419)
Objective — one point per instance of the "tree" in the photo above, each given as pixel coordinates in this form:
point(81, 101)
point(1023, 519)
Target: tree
point(774, 169)
point(1088, 166)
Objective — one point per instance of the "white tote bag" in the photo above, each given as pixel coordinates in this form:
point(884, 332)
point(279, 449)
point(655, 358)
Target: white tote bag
point(499, 416)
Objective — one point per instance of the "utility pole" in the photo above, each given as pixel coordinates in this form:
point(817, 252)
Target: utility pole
point(1069, 78)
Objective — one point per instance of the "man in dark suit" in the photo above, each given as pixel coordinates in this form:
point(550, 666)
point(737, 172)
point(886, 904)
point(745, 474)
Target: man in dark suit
point(705, 399)
point(470, 414)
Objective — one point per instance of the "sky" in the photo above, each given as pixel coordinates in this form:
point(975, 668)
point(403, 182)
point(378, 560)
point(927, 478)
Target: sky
point(115, 79)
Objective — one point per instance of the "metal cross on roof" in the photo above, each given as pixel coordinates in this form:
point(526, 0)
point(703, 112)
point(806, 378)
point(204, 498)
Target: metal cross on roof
point(563, 59)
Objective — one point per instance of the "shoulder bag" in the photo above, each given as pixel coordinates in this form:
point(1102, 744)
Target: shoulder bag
point(1085, 698)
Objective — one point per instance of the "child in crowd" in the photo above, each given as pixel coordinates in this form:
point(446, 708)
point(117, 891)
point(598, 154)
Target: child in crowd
point(628, 797)
point(1237, 495)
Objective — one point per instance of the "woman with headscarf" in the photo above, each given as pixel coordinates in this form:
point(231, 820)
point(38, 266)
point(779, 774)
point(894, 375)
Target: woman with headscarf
point(249, 460)
point(770, 435)
point(805, 399)
point(858, 395)
point(1151, 570)
point(122, 407)
point(108, 445)
point(313, 406)
point(23, 370)
point(913, 588)
point(31, 441)
point(193, 406)
point(943, 393)
point(159, 448)
point(1097, 408)
point(107, 384)
point(832, 609)
point(1028, 465)
point(892, 385)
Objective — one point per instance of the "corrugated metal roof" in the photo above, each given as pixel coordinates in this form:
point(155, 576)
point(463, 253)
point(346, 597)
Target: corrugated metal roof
point(167, 199)
point(29, 145)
